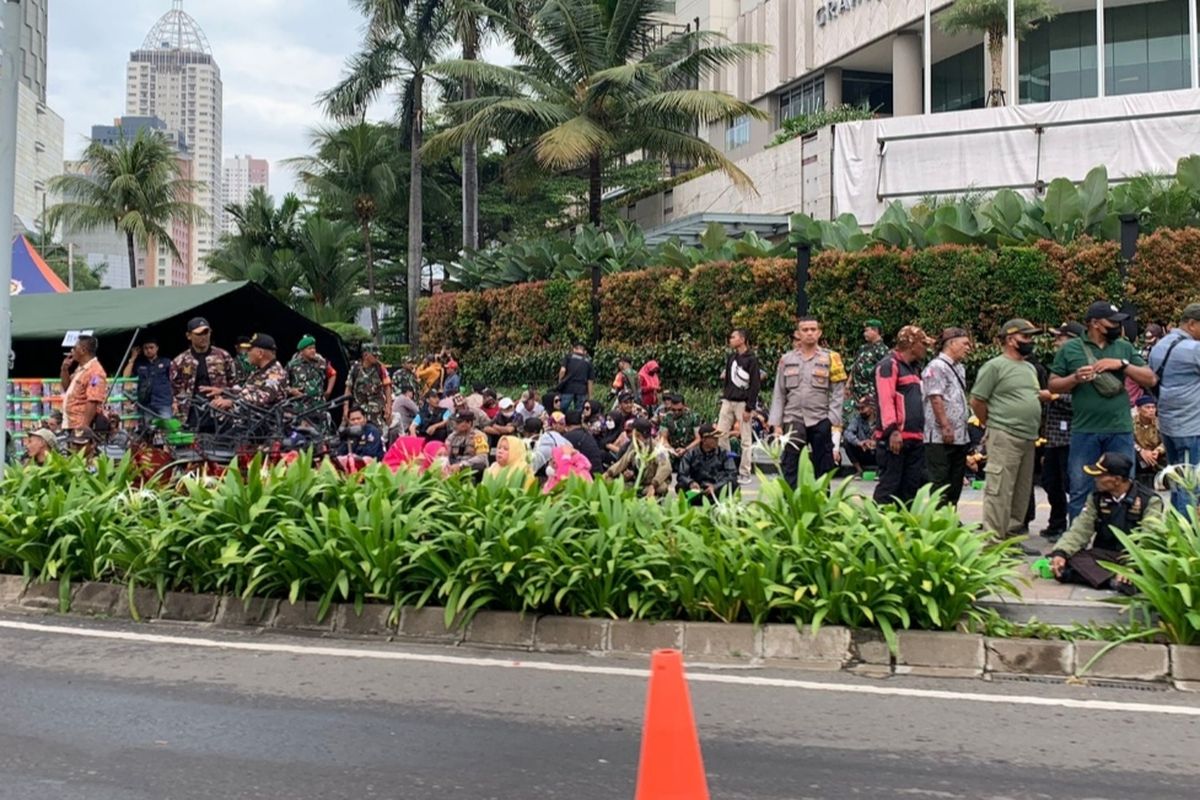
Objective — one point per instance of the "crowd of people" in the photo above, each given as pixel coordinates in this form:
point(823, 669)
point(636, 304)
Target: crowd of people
point(1095, 425)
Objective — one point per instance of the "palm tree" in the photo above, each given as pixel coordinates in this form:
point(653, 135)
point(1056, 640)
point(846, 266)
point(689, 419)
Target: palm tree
point(990, 17)
point(264, 247)
point(404, 39)
point(136, 187)
point(352, 170)
point(328, 274)
point(595, 88)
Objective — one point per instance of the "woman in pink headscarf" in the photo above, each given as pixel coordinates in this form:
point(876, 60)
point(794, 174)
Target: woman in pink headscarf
point(651, 384)
point(567, 462)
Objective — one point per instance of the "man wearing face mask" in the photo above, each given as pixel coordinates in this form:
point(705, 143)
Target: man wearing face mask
point(1093, 369)
point(1006, 400)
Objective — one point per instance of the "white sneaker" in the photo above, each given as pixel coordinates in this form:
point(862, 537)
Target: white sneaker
point(744, 480)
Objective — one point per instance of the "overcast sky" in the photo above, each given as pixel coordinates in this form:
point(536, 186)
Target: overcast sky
point(275, 57)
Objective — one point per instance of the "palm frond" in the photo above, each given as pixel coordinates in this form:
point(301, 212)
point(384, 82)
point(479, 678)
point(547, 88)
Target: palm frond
point(572, 143)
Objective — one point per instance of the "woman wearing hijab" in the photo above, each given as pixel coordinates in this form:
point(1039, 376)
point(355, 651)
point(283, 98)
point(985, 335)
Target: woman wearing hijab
point(404, 451)
point(567, 462)
point(511, 456)
point(651, 383)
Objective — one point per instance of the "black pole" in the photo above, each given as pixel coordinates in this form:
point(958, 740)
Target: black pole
point(803, 260)
point(1129, 242)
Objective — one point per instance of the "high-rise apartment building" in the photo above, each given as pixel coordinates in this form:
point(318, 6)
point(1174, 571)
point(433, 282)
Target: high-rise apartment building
point(175, 78)
point(242, 175)
point(39, 129)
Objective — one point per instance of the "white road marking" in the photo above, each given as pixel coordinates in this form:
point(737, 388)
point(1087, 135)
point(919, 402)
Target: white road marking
point(586, 669)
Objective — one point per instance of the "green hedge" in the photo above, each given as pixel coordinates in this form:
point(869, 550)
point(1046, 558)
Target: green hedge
point(517, 334)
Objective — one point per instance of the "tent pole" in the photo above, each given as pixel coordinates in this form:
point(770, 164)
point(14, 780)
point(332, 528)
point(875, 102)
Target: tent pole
point(128, 350)
point(10, 26)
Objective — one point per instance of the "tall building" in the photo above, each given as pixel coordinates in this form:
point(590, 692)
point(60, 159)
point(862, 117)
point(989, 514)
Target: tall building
point(39, 129)
point(175, 78)
point(242, 175)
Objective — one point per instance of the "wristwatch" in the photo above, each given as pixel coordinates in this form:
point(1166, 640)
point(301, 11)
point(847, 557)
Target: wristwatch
point(1124, 363)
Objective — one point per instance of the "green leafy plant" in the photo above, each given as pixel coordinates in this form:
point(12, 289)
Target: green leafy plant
point(804, 124)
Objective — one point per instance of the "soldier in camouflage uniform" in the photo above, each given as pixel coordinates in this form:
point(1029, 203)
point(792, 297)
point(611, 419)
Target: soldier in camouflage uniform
point(267, 386)
point(199, 368)
point(242, 368)
point(309, 374)
point(370, 387)
point(862, 370)
point(677, 426)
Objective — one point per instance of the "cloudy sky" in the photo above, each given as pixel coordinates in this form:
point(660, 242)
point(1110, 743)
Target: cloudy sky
point(275, 57)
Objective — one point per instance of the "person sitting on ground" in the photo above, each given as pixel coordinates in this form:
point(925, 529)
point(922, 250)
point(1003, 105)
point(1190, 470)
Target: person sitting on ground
point(432, 421)
point(404, 410)
point(707, 470)
point(567, 462)
point(583, 441)
point(475, 398)
point(406, 450)
point(504, 423)
point(553, 436)
point(460, 406)
point(1147, 442)
point(528, 407)
point(467, 447)
point(491, 403)
point(677, 425)
point(593, 418)
point(531, 432)
point(38, 447)
point(628, 408)
point(643, 462)
point(553, 402)
point(859, 438)
point(360, 438)
point(1117, 503)
point(55, 422)
point(511, 456)
point(429, 374)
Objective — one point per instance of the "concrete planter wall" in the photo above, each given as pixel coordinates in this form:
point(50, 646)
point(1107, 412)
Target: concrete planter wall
point(930, 653)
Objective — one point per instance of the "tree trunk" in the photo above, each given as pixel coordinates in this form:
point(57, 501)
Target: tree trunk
point(132, 260)
point(470, 156)
point(370, 254)
point(415, 211)
point(595, 193)
point(996, 53)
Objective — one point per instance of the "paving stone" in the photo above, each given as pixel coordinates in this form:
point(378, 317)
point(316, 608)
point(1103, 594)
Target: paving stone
point(428, 624)
point(302, 616)
point(189, 607)
point(374, 620)
point(1132, 662)
point(638, 636)
point(11, 588)
point(719, 640)
point(829, 649)
point(1185, 662)
point(1030, 656)
point(573, 634)
point(1187, 686)
point(145, 605)
point(42, 595)
point(234, 612)
point(940, 651)
point(501, 629)
point(98, 599)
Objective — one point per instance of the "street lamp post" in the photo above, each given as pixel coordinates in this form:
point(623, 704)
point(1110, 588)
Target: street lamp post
point(10, 25)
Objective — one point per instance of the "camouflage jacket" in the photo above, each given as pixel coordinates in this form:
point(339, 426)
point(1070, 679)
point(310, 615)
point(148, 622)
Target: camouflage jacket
point(221, 372)
point(368, 388)
point(242, 368)
point(680, 428)
point(862, 371)
point(266, 387)
point(308, 376)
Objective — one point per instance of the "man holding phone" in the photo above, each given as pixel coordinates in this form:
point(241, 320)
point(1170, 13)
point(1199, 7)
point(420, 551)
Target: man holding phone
point(153, 371)
point(85, 384)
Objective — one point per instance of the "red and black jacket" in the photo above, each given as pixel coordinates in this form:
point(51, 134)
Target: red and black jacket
point(901, 406)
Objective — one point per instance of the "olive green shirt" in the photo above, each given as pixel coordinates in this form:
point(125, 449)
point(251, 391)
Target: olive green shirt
point(1093, 413)
point(1010, 389)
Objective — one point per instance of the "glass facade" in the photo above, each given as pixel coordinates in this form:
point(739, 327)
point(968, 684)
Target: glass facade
point(737, 133)
point(1145, 50)
point(958, 81)
point(806, 98)
point(872, 89)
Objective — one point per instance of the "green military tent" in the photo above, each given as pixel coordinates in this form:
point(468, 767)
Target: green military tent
point(120, 316)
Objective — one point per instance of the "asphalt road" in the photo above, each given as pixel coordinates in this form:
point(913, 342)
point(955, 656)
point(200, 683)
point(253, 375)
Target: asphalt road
point(99, 719)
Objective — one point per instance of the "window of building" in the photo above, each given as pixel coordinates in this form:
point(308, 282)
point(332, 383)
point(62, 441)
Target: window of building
point(737, 133)
point(1057, 60)
point(872, 89)
point(806, 98)
point(957, 82)
point(1146, 48)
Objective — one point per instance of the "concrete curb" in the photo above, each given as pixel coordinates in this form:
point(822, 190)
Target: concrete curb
point(833, 648)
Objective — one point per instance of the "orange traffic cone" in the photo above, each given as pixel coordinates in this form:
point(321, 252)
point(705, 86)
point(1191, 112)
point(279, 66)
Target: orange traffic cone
point(670, 767)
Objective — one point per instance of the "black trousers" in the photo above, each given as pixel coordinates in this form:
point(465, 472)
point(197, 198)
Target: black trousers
point(1056, 482)
point(947, 469)
point(1084, 568)
point(900, 475)
point(863, 459)
point(818, 439)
